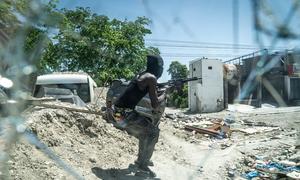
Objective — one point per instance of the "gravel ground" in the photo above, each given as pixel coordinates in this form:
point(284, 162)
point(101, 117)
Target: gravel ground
point(85, 146)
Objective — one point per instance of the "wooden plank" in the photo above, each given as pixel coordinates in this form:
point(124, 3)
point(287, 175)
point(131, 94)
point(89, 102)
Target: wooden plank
point(202, 130)
point(54, 106)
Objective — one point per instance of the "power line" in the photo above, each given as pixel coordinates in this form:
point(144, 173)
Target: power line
point(205, 46)
point(193, 42)
point(184, 43)
point(209, 55)
point(197, 55)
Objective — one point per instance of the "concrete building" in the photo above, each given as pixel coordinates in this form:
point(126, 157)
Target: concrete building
point(206, 95)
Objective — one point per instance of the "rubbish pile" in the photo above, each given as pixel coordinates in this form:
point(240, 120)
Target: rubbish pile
point(277, 163)
point(275, 170)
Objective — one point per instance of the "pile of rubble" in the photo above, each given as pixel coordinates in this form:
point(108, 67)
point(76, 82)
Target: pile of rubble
point(71, 142)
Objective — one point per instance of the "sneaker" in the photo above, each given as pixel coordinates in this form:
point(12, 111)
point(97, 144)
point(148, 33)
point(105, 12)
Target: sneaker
point(145, 171)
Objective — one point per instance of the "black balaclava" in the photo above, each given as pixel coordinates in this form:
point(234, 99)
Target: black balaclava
point(155, 65)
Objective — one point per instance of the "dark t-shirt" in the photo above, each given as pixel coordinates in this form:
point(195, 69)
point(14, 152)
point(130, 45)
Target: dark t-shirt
point(131, 96)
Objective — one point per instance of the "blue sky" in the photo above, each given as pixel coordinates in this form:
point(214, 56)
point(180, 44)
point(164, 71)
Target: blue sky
point(191, 21)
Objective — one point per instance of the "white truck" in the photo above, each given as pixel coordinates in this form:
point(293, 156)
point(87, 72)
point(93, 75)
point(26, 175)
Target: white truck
point(63, 84)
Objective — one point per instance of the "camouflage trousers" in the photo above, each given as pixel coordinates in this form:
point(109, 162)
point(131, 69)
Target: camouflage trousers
point(142, 128)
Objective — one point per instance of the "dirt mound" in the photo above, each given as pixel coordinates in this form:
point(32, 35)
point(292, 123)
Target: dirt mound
point(81, 141)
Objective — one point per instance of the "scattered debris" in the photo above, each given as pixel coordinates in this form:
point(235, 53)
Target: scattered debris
point(170, 116)
point(220, 130)
point(92, 160)
point(266, 168)
point(252, 174)
point(203, 131)
point(254, 130)
point(250, 123)
point(229, 119)
point(231, 173)
point(293, 175)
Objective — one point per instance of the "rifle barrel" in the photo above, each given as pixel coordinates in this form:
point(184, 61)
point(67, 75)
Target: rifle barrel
point(178, 80)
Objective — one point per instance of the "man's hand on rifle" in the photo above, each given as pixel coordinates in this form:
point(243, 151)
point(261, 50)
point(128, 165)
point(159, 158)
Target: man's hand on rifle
point(169, 89)
point(166, 90)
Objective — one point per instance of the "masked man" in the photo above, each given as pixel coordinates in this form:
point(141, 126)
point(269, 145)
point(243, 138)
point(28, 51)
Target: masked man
point(141, 127)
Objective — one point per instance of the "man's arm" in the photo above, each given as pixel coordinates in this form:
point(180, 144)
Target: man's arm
point(150, 82)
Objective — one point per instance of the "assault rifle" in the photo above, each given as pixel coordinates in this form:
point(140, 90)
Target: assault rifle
point(177, 82)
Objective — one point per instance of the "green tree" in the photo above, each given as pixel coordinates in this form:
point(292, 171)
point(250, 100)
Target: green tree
point(24, 26)
point(178, 98)
point(106, 49)
point(177, 70)
point(16, 16)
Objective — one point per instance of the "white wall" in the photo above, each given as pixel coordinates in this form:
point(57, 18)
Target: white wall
point(206, 95)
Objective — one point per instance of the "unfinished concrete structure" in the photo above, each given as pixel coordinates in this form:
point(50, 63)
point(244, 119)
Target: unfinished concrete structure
point(272, 77)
